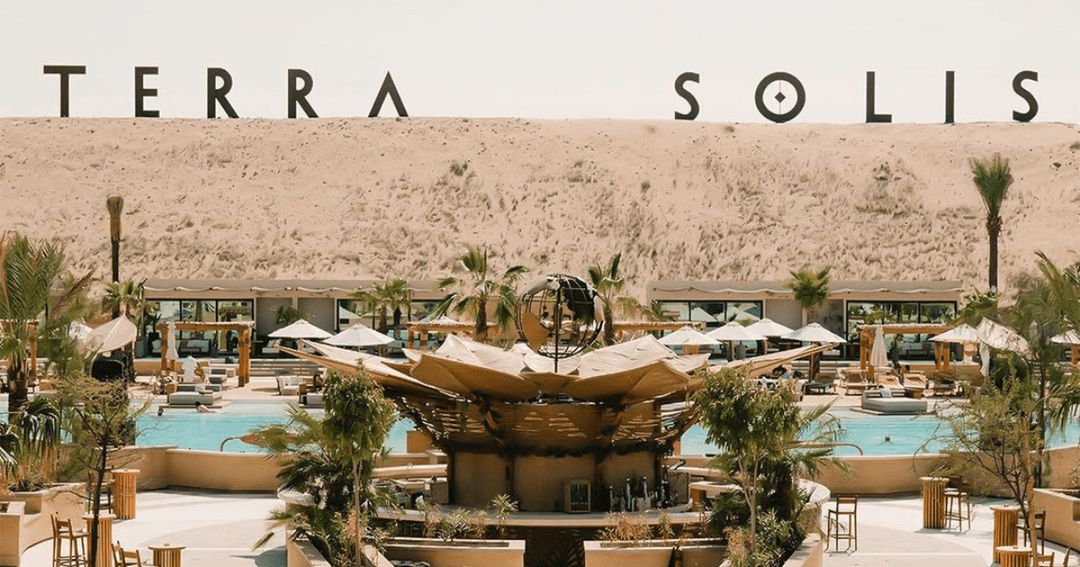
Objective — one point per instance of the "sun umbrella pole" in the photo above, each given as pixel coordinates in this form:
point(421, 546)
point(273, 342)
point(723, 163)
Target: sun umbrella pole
point(558, 325)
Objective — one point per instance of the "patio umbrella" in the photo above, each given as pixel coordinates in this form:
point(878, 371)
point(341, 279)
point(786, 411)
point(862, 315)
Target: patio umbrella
point(170, 337)
point(962, 333)
point(359, 335)
point(878, 356)
point(734, 332)
point(996, 335)
point(814, 333)
point(688, 337)
point(113, 335)
point(769, 328)
point(79, 332)
point(300, 330)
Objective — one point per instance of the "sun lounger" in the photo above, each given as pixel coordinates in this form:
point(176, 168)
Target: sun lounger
point(854, 381)
point(219, 374)
point(287, 385)
point(882, 401)
point(206, 398)
point(824, 384)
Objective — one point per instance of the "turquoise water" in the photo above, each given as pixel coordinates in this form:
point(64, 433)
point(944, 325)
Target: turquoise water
point(189, 429)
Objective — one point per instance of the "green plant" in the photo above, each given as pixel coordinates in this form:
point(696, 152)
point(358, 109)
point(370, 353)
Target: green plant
point(28, 306)
point(608, 283)
point(992, 178)
point(625, 526)
point(102, 421)
point(504, 508)
point(388, 297)
point(459, 168)
point(473, 296)
point(287, 315)
point(765, 443)
point(810, 289)
point(332, 459)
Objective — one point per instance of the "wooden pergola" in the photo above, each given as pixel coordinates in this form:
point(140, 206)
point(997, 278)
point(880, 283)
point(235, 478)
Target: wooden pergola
point(243, 329)
point(867, 333)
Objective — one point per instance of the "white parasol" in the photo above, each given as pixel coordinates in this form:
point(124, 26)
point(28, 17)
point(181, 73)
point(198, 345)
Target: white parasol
point(878, 356)
point(687, 336)
point(113, 335)
point(996, 335)
point(962, 333)
point(769, 328)
point(359, 335)
point(300, 330)
point(170, 339)
point(814, 333)
point(1067, 338)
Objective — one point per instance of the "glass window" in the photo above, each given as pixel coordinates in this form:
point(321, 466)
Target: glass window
point(709, 312)
point(938, 312)
point(675, 310)
point(743, 311)
point(242, 310)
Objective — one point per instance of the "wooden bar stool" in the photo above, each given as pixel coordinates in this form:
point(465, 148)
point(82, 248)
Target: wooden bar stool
point(957, 503)
point(75, 556)
point(842, 521)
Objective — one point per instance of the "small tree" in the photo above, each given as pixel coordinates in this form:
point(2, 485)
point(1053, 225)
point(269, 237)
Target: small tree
point(765, 441)
point(101, 423)
point(332, 459)
point(128, 298)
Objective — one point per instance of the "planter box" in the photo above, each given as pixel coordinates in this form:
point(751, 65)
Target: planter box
point(29, 518)
point(654, 553)
point(471, 552)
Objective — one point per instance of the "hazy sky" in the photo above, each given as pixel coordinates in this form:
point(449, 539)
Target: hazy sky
point(550, 59)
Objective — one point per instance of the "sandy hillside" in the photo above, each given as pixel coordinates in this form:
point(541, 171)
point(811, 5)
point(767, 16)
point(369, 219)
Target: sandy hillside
point(341, 198)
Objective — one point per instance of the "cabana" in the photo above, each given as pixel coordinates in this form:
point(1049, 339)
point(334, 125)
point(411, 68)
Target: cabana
point(242, 328)
point(866, 341)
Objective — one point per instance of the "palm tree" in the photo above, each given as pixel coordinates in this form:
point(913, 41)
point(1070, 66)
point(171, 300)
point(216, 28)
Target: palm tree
point(810, 289)
point(28, 272)
point(608, 282)
point(115, 205)
point(992, 179)
point(474, 298)
point(387, 298)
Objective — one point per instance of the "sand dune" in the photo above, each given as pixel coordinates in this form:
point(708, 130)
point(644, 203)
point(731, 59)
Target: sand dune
point(375, 198)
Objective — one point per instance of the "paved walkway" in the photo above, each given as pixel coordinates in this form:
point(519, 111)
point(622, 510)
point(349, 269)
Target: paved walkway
point(891, 535)
point(217, 529)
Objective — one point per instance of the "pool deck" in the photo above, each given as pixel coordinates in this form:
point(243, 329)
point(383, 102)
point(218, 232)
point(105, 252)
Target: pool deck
point(218, 530)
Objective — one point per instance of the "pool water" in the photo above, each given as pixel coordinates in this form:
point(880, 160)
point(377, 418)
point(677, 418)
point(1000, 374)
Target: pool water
point(189, 429)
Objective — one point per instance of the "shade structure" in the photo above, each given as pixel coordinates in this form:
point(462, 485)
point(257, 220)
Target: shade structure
point(769, 328)
point(962, 333)
point(300, 330)
point(878, 356)
point(359, 335)
point(735, 332)
point(687, 336)
point(113, 335)
point(1067, 338)
point(814, 333)
point(996, 335)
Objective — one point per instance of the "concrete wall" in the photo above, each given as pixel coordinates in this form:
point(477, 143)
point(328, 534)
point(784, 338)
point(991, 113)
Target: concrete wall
point(654, 553)
point(265, 313)
point(784, 311)
point(880, 475)
point(474, 553)
point(540, 481)
point(235, 472)
point(30, 521)
point(478, 478)
point(322, 312)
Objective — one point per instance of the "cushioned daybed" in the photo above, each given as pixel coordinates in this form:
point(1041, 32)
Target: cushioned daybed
point(882, 400)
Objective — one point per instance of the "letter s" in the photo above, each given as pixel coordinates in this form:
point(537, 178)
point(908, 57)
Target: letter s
point(680, 89)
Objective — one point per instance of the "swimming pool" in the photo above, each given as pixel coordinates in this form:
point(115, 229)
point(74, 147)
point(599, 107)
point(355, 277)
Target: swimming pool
point(188, 429)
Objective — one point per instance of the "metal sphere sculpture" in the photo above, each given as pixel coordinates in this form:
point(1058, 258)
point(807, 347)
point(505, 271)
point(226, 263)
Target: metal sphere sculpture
point(559, 315)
